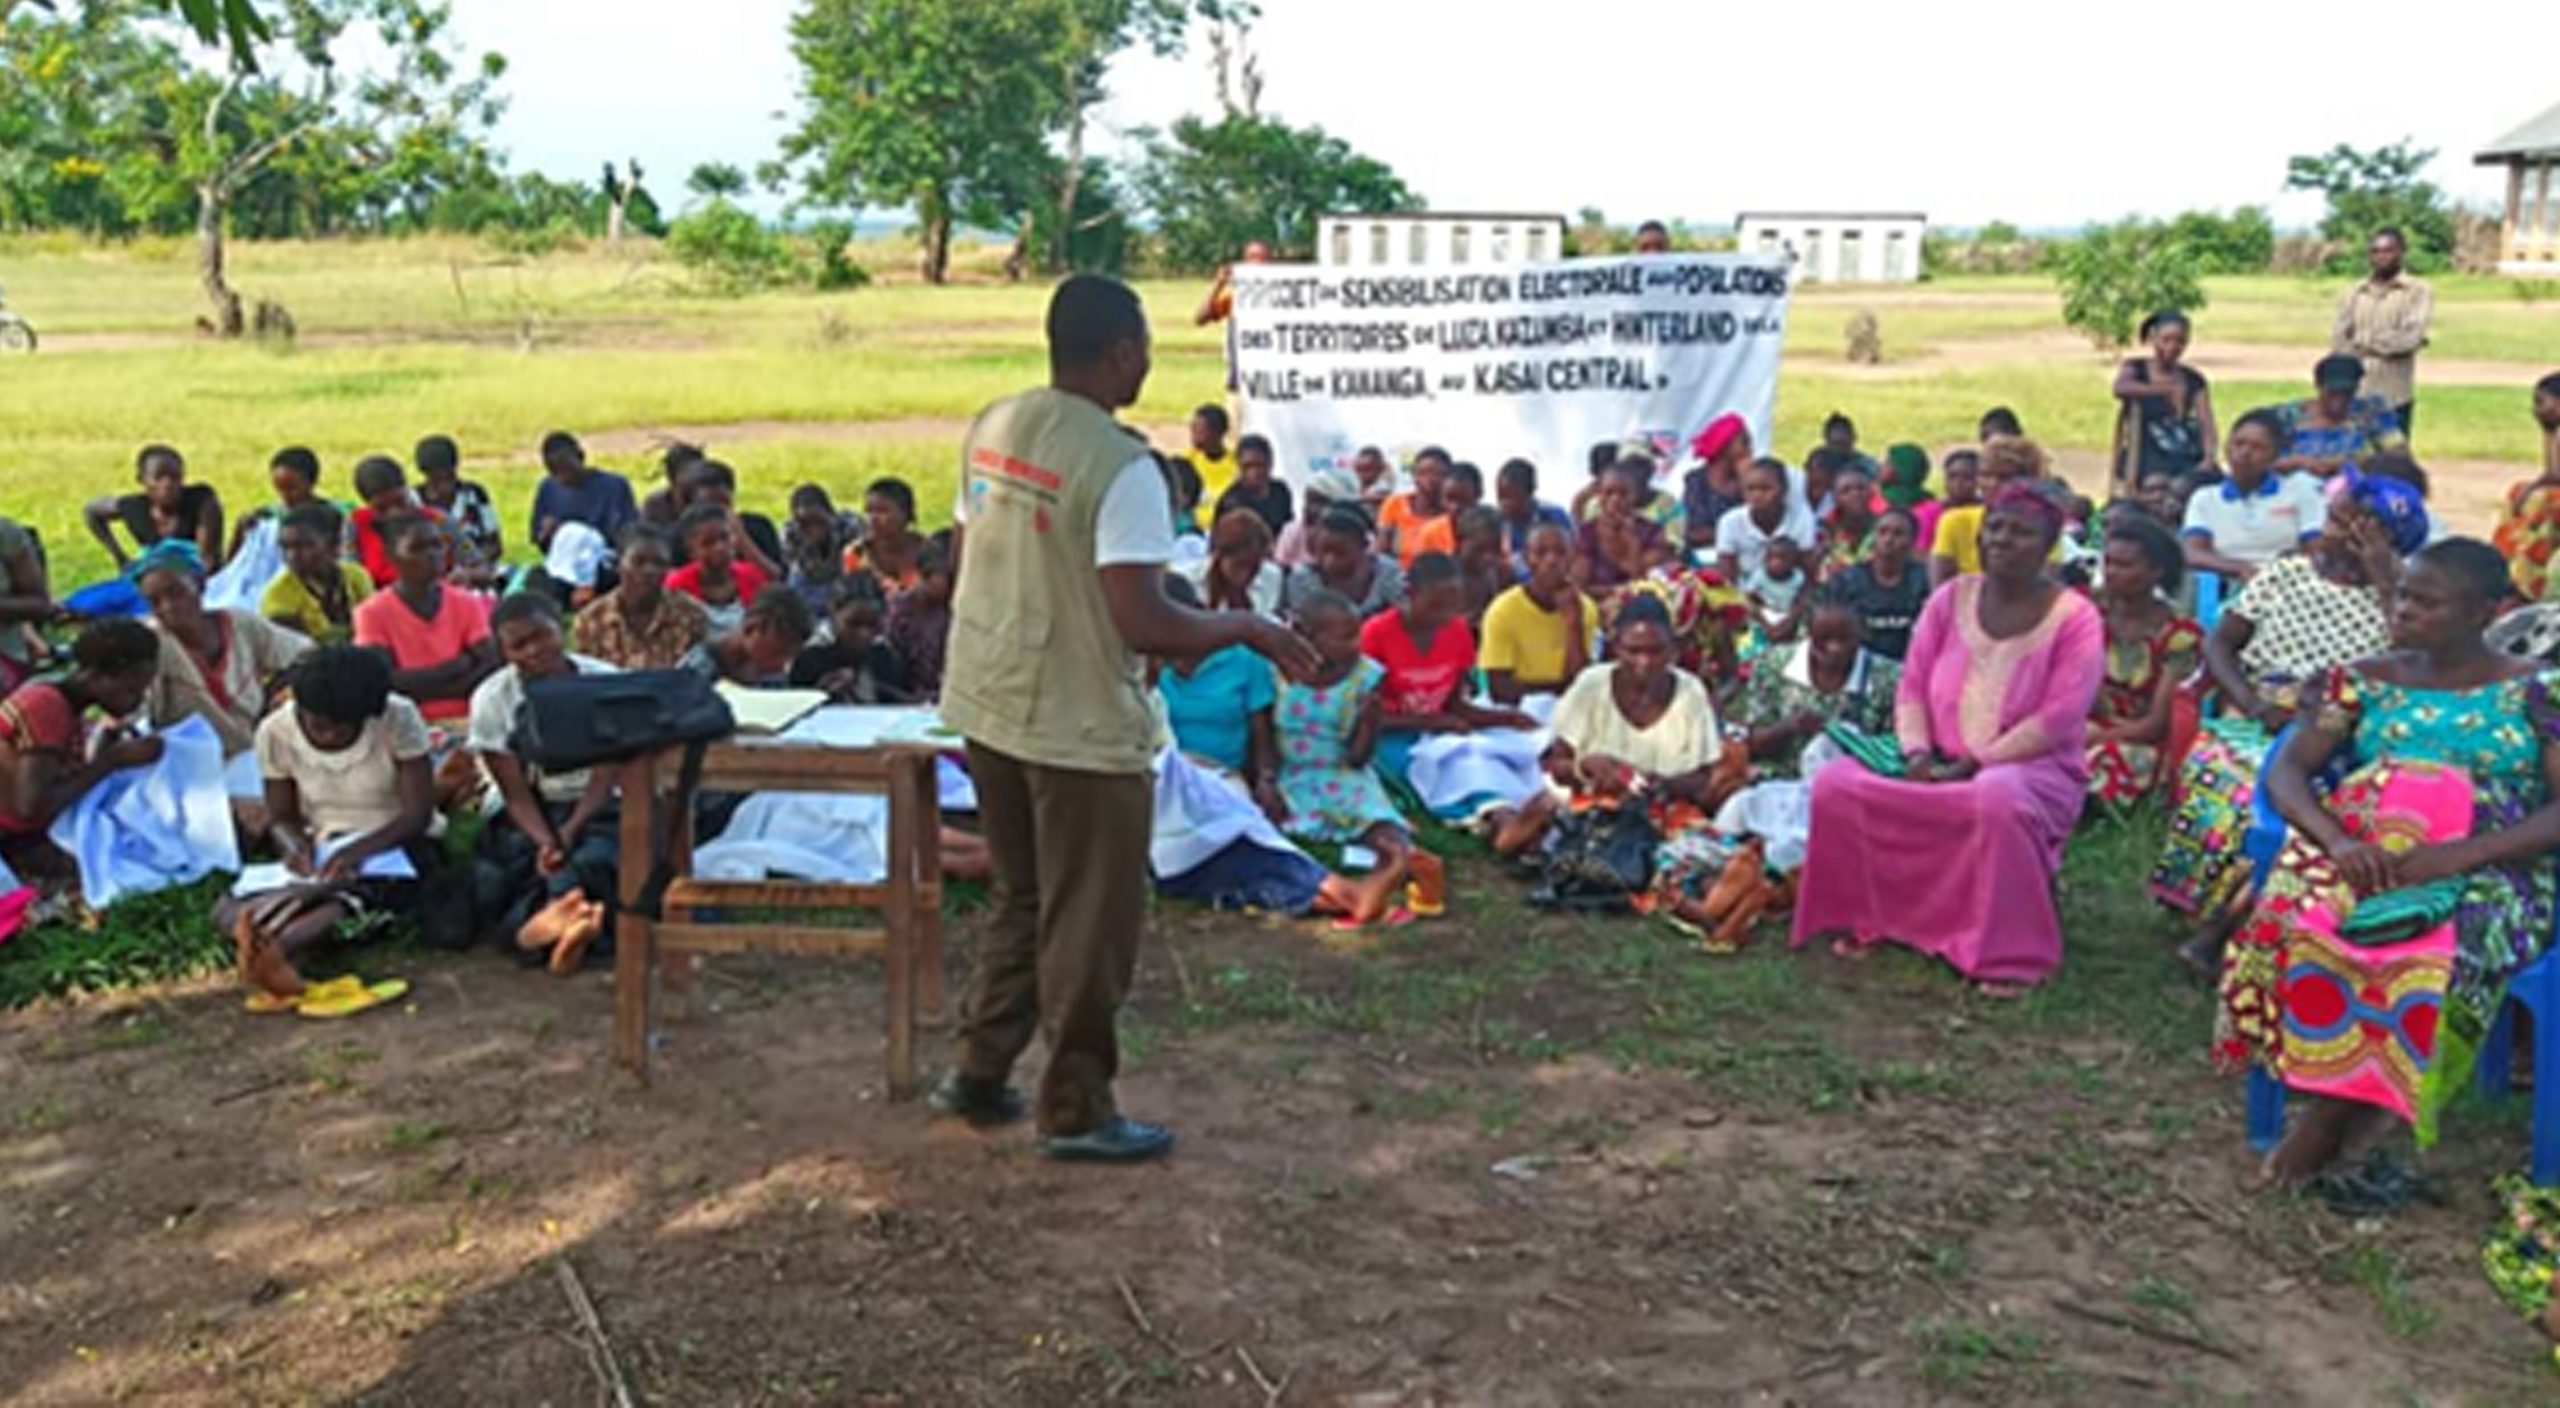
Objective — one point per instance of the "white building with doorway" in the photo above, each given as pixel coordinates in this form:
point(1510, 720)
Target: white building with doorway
point(1407, 238)
point(1837, 247)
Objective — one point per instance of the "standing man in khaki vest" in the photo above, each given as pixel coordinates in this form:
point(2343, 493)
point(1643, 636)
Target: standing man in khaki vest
point(2384, 322)
point(1066, 528)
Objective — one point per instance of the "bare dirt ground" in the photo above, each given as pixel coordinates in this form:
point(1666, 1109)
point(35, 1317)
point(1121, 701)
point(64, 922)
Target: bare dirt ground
point(1500, 1159)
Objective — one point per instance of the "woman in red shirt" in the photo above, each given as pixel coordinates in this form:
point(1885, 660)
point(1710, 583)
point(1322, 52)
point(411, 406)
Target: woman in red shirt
point(1428, 653)
point(725, 583)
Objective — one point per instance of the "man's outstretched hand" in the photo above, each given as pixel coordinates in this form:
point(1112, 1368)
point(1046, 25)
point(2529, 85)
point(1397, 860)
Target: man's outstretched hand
point(1293, 653)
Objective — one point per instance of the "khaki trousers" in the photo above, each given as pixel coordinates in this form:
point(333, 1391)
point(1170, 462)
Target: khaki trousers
point(1070, 890)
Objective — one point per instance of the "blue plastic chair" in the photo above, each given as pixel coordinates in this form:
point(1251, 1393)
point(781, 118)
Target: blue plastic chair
point(2209, 593)
point(2537, 988)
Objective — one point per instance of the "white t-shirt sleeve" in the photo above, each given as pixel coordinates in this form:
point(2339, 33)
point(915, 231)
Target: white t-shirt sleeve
point(1135, 526)
point(2200, 504)
point(493, 712)
point(2314, 499)
point(1729, 535)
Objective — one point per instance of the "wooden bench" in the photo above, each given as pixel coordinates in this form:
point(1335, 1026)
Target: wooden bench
point(693, 915)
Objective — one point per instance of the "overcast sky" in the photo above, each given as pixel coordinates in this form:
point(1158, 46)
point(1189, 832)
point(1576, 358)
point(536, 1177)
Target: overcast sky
point(2032, 111)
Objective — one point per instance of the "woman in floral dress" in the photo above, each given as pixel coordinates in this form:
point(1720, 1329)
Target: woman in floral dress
point(1328, 732)
point(2452, 752)
point(2151, 650)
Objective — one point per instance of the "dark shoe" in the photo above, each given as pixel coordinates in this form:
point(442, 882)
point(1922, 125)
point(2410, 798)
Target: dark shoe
point(1118, 1140)
point(982, 1103)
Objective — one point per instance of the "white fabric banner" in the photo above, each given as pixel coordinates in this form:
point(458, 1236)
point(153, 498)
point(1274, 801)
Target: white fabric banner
point(1538, 361)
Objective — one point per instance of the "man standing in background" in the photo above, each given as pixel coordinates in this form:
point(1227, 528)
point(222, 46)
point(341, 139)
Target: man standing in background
point(2384, 322)
point(1064, 533)
point(1220, 307)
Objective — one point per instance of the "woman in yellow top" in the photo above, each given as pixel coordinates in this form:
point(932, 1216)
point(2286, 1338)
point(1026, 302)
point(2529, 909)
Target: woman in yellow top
point(2006, 460)
point(2529, 530)
point(1956, 544)
point(1210, 455)
point(318, 591)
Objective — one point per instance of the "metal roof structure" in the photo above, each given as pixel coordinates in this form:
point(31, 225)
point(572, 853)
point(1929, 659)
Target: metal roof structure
point(2539, 137)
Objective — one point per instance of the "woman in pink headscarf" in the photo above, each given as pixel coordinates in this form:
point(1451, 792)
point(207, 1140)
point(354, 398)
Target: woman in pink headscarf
point(1957, 857)
point(1715, 486)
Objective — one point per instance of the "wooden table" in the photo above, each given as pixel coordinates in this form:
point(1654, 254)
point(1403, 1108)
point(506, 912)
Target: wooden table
point(909, 902)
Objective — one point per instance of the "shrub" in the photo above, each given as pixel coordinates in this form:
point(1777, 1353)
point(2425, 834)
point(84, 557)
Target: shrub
point(2113, 276)
point(835, 269)
point(729, 249)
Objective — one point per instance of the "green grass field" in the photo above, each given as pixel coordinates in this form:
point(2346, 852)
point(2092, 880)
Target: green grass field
point(400, 339)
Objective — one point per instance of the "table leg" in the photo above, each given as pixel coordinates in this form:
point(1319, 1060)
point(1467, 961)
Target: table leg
point(930, 997)
point(634, 936)
point(679, 969)
point(901, 923)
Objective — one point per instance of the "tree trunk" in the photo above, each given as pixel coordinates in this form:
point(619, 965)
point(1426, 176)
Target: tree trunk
point(937, 242)
point(613, 216)
point(226, 321)
point(1060, 255)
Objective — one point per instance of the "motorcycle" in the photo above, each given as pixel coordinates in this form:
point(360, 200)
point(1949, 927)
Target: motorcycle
point(16, 333)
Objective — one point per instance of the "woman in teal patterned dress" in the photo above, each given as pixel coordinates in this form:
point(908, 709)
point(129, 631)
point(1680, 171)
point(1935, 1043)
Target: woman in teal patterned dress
point(2452, 753)
point(1328, 733)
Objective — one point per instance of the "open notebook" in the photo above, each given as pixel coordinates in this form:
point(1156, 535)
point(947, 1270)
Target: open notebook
point(764, 712)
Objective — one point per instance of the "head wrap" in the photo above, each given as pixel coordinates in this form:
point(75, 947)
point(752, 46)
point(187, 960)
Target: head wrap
point(1719, 433)
point(2397, 506)
point(164, 555)
point(2030, 503)
point(1906, 481)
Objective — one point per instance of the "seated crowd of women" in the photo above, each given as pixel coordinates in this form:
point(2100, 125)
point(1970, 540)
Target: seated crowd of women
point(1875, 697)
point(368, 689)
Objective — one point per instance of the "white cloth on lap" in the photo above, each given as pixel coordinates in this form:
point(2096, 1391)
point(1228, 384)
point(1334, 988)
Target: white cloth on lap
point(242, 583)
point(1781, 813)
point(1200, 813)
point(1454, 771)
point(145, 829)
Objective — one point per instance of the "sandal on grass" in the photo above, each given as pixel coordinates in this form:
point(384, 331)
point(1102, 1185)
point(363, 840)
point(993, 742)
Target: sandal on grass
point(2378, 1187)
point(346, 1002)
point(1395, 918)
point(268, 1003)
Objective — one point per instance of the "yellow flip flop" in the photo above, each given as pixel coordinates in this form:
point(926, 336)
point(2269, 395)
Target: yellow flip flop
point(267, 1003)
point(364, 997)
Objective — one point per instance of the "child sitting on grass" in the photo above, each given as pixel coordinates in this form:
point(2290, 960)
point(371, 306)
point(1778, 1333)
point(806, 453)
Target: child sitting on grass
point(47, 760)
point(1484, 564)
point(919, 627)
point(714, 574)
point(1328, 731)
point(814, 540)
point(549, 859)
point(856, 666)
point(479, 546)
point(382, 501)
point(760, 652)
point(640, 625)
point(1777, 590)
point(1426, 653)
point(319, 591)
point(437, 634)
point(347, 779)
point(1226, 767)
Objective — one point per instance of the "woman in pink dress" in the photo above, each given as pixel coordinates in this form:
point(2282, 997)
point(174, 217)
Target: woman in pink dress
point(1957, 858)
